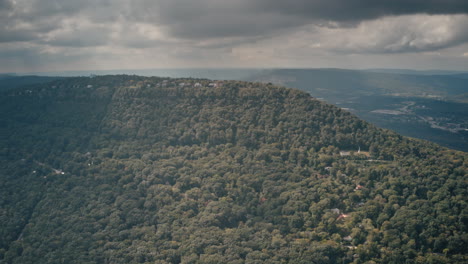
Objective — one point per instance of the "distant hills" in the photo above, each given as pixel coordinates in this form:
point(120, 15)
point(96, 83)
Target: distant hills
point(131, 169)
point(349, 83)
point(417, 72)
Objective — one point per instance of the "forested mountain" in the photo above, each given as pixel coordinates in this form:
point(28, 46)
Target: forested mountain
point(412, 103)
point(130, 169)
point(430, 105)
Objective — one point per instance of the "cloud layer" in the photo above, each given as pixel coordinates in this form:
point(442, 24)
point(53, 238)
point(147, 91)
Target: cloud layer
point(172, 32)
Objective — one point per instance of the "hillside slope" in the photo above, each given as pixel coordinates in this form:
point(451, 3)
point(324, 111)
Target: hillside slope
point(129, 169)
point(429, 107)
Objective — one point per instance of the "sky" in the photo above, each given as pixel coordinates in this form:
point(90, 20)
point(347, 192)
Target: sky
point(66, 35)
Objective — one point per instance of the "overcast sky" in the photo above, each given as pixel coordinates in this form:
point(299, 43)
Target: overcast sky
point(58, 35)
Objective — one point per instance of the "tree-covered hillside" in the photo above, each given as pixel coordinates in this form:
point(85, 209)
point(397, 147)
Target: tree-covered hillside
point(129, 169)
point(13, 81)
point(429, 107)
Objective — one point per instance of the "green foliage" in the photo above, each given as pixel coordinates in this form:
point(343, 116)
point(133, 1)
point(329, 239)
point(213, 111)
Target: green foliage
point(429, 107)
point(159, 172)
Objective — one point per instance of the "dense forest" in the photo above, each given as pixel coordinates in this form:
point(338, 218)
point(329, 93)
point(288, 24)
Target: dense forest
point(13, 81)
point(130, 169)
point(429, 107)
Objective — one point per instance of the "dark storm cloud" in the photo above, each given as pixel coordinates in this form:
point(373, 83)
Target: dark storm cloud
point(249, 20)
point(214, 18)
point(358, 10)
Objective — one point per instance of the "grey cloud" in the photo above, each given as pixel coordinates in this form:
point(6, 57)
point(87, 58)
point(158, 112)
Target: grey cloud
point(402, 34)
point(30, 10)
point(29, 19)
point(32, 58)
point(214, 18)
point(13, 35)
point(6, 4)
point(78, 40)
point(233, 25)
point(13, 29)
point(139, 42)
point(251, 20)
point(203, 19)
point(359, 10)
point(220, 26)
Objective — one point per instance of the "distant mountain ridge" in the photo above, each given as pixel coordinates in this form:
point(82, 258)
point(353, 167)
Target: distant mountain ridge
point(417, 72)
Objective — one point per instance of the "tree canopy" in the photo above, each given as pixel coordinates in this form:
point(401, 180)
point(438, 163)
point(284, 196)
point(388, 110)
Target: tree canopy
point(130, 169)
